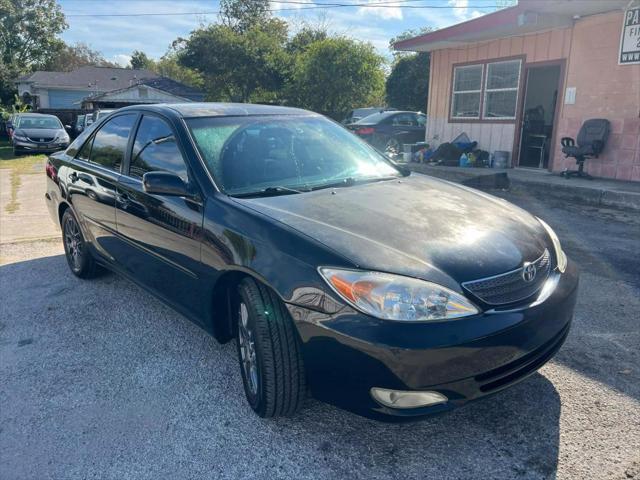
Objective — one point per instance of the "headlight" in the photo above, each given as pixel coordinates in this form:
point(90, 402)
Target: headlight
point(394, 297)
point(19, 136)
point(62, 137)
point(561, 258)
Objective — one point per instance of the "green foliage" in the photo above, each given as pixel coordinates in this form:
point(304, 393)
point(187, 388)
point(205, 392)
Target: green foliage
point(334, 75)
point(140, 60)
point(28, 37)
point(243, 15)
point(238, 66)
point(407, 85)
point(70, 57)
point(7, 88)
point(305, 37)
point(29, 31)
point(168, 66)
point(412, 32)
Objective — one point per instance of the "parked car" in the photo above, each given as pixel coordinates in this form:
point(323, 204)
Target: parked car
point(8, 125)
point(360, 113)
point(79, 125)
point(98, 114)
point(389, 294)
point(388, 131)
point(38, 133)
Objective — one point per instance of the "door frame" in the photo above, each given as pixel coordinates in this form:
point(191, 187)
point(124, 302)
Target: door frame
point(556, 114)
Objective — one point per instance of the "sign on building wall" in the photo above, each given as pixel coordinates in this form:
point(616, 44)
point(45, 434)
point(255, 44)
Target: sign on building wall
point(630, 40)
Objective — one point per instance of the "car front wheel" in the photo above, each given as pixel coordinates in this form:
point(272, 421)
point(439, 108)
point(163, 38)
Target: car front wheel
point(269, 352)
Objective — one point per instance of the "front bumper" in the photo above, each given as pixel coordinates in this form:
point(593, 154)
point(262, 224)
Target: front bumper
point(27, 146)
point(348, 353)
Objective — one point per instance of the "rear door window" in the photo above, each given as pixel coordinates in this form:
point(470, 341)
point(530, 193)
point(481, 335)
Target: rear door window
point(405, 120)
point(110, 142)
point(155, 150)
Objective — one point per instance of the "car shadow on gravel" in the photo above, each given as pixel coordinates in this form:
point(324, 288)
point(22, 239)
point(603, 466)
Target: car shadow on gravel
point(514, 432)
point(117, 361)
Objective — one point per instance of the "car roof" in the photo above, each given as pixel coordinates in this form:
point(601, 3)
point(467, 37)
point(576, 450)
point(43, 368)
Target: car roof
point(377, 117)
point(36, 115)
point(194, 109)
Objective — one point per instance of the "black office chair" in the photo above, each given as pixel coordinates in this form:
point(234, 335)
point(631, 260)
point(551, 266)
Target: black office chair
point(592, 138)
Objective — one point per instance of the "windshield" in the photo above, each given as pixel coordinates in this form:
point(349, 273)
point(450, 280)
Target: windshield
point(38, 123)
point(251, 154)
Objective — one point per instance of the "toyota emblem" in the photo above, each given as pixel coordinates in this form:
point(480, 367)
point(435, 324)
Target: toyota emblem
point(528, 272)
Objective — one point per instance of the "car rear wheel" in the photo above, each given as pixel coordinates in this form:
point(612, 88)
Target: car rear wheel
point(392, 148)
point(269, 352)
point(78, 256)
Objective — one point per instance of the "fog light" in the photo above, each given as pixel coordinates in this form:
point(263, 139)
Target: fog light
point(400, 399)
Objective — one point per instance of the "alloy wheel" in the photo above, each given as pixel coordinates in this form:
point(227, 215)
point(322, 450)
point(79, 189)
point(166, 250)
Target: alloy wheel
point(392, 149)
point(247, 350)
point(74, 242)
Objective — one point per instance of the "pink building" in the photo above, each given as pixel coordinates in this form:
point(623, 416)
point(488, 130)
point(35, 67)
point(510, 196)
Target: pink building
point(521, 78)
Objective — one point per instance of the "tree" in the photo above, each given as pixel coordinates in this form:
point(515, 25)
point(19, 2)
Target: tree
point(335, 75)
point(412, 32)
point(242, 15)
point(140, 60)
point(169, 66)
point(305, 37)
point(28, 36)
point(239, 66)
point(407, 86)
point(70, 57)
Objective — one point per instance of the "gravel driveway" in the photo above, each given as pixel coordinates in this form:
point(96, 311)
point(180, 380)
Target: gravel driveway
point(100, 380)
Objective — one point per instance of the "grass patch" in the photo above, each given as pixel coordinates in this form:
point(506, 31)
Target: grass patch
point(23, 165)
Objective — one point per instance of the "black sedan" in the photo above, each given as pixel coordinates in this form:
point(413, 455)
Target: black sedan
point(389, 294)
point(388, 131)
point(38, 133)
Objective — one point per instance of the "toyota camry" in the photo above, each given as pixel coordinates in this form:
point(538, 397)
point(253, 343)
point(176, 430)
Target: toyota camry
point(336, 272)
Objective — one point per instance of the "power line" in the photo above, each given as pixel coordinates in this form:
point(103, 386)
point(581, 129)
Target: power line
point(312, 6)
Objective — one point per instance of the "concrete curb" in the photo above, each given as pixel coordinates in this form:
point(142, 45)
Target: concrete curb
point(491, 180)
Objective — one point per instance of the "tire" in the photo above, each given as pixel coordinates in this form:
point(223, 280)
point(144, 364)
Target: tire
point(269, 352)
point(78, 256)
point(393, 148)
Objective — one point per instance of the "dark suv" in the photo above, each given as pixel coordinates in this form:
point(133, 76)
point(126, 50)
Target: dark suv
point(390, 294)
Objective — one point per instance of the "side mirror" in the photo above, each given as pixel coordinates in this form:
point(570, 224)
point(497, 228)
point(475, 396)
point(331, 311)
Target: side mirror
point(67, 127)
point(165, 183)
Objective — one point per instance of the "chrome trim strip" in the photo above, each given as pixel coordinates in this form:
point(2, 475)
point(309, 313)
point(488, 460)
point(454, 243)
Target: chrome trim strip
point(545, 292)
point(464, 284)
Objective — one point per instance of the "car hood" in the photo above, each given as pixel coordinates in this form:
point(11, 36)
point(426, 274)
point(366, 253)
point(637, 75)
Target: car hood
point(39, 132)
point(417, 226)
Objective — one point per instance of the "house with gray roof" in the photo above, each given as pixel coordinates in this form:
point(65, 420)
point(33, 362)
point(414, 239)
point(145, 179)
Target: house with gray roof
point(92, 87)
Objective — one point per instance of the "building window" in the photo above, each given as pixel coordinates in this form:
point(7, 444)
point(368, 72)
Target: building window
point(501, 90)
point(486, 91)
point(467, 90)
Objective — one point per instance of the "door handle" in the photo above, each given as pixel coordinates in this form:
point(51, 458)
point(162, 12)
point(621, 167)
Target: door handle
point(124, 199)
point(73, 177)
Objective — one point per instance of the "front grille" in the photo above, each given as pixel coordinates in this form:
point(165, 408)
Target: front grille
point(511, 287)
point(41, 139)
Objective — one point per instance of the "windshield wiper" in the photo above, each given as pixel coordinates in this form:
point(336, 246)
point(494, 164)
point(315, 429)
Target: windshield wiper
point(268, 192)
point(345, 182)
point(350, 181)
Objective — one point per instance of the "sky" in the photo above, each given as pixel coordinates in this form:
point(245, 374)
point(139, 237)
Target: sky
point(117, 36)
